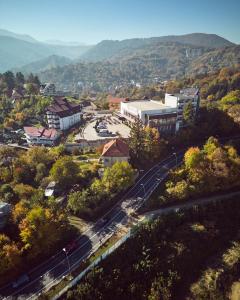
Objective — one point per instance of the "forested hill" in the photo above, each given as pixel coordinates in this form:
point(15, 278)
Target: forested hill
point(161, 61)
point(108, 49)
point(214, 60)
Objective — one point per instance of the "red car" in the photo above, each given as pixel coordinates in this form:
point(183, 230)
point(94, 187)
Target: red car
point(71, 247)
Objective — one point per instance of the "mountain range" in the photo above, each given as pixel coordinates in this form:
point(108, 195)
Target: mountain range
point(112, 63)
point(17, 50)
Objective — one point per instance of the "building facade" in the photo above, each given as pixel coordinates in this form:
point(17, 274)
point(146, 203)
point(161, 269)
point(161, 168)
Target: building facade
point(179, 101)
point(48, 89)
point(151, 113)
point(63, 114)
point(41, 136)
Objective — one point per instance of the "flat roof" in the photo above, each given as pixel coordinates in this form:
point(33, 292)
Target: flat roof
point(147, 105)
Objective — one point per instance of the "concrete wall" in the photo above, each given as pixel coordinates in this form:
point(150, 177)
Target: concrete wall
point(109, 161)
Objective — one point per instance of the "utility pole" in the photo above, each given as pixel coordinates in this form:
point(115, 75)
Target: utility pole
point(143, 190)
point(175, 154)
point(69, 268)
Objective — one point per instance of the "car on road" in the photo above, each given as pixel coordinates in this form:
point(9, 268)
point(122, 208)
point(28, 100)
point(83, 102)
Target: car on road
point(104, 221)
point(20, 281)
point(71, 247)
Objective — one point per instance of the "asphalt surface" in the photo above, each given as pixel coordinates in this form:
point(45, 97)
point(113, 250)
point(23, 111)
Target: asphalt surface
point(51, 271)
point(55, 268)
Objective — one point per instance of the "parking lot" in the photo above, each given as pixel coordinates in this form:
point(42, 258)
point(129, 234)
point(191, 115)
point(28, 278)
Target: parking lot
point(111, 126)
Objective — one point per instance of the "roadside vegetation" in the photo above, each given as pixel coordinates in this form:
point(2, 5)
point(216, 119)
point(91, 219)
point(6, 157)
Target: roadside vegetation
point(99, 195)
point(38, 225)
point(192, 254)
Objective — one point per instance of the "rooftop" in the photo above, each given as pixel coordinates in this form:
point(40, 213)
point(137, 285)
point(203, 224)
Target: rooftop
point(62, 107)
point(116, 148)
point(116, 100)
point(147, 105)
point(41, 132)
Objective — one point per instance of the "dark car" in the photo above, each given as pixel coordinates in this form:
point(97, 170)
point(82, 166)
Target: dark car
point(20, 281)
point(71, 247)
point(104, 221)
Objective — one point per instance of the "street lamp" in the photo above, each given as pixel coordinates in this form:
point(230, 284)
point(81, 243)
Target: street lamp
point(69, 268)
point(175, 157)
point(143, 190)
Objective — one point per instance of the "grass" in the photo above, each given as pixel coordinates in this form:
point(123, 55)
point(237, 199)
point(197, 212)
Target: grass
point(78, 223)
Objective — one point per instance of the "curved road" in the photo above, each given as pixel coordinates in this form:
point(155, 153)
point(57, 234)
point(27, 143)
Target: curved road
point(52, 271)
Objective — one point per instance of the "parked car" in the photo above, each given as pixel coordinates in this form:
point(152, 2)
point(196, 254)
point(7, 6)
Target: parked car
point(20, 281)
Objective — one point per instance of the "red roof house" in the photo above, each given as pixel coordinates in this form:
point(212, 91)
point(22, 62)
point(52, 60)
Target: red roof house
point(113, 151)
point(41, 136)
point(115, 102)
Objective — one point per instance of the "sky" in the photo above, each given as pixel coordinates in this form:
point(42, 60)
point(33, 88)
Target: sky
point(90, 21)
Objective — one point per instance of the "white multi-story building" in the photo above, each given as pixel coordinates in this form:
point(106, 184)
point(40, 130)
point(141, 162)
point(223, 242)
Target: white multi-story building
point(48, 89)
point(180, 100)
point(151, 113)
point(63, 114)
point(41, 136)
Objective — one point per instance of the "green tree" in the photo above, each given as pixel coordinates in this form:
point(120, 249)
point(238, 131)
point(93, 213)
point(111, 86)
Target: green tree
point(188, 113)
point(65, 171)
point(136, 139)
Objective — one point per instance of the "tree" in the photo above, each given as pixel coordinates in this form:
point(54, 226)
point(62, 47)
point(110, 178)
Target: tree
point(136, 140)
point(20, 79)
point(40, 230)
point(65, 171)
point(192, 157)
point(188, 113)
point(118, 177)
point(10, 255)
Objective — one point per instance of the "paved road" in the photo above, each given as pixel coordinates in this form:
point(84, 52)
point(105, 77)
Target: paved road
point(51, 271)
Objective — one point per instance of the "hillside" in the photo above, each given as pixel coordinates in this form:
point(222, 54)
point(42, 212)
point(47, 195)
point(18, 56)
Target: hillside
point(19, 50)
point(190, 255)
point(15, 52)
point(108, 49)
point(146, 65)
point(23, 37)
point(44, 64)
point(213, 61)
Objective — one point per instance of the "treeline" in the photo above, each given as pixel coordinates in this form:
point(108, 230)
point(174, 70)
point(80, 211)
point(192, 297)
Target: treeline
point(10, 81)
point(37, 225)
point(193, 254)
point(211, 169)
point(28, 107)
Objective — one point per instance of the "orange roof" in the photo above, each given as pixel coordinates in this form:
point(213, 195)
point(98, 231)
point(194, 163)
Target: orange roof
point(116, 148)
point(41, 132)
point(115, 100)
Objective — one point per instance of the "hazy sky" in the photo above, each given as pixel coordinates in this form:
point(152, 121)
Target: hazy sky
point(90, 21)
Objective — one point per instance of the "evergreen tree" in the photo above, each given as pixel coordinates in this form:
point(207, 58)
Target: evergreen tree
point(137, 136)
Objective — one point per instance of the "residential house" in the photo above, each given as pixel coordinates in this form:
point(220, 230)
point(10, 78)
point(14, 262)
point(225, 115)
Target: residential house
point(41, 136)
point(114, 151)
